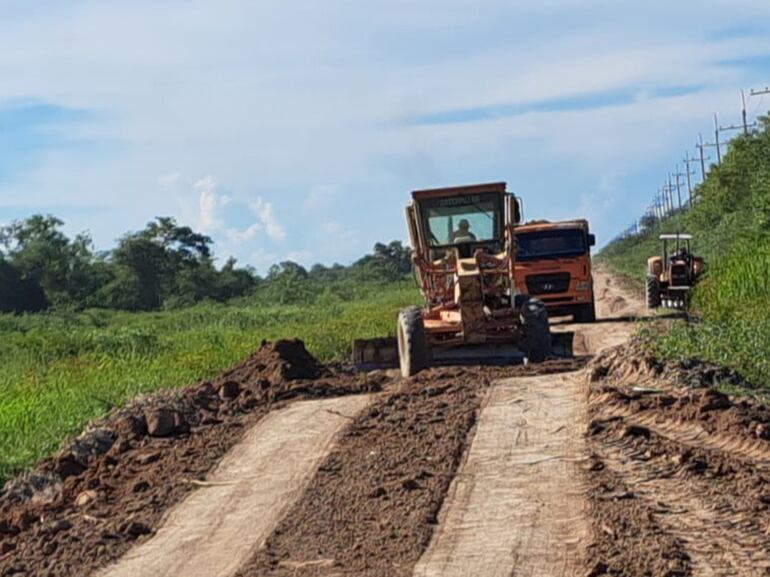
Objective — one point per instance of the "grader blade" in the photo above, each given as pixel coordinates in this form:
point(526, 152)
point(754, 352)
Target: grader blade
point(382, 353)
point(379, 353)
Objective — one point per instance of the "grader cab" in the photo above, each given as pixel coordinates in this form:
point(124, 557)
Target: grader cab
point(463, 255)
point(672, 275)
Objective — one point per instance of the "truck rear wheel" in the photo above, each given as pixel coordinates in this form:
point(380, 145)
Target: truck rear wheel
point(536, 341)
point(652, 292)
point(412, 343)
point(586, 313)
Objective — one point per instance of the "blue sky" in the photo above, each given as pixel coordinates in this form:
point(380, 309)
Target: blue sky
point(296, 129)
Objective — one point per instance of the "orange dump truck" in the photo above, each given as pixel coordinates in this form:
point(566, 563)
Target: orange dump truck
point(553, 263)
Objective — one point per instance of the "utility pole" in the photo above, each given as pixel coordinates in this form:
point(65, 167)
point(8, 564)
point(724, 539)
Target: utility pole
point(743, 113)
point(716, 139)
point(700, 146)
point(687, 160)
point(667, 200)
point(670, 190)
point(677, 175)
point(709, 145)
point(765, 90)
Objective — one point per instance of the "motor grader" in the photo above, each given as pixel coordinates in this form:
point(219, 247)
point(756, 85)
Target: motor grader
point(463, 254)
point(672, 275)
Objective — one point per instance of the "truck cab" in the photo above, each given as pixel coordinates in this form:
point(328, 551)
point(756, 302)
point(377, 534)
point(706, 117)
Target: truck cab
point(553, 264)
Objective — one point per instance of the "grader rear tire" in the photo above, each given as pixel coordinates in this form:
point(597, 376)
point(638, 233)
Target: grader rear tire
point(413, 355)
point(536, 343)
point(652, 292)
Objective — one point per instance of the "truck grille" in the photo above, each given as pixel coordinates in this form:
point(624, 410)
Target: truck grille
point(541, 284)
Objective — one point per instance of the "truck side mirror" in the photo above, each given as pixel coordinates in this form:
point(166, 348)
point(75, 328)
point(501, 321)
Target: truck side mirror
point(591, 239)
point(514, 209)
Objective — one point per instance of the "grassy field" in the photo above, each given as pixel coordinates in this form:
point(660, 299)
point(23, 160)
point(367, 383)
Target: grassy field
point(58, 371)
point(731, 225)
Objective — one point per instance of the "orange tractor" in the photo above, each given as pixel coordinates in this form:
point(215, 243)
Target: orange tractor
point(672, 275)
point(463, 255)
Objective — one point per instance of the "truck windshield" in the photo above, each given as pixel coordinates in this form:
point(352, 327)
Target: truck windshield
point(462, 219)
point(547, 244)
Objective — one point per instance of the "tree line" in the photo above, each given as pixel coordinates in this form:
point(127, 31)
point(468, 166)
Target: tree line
point(164, 265)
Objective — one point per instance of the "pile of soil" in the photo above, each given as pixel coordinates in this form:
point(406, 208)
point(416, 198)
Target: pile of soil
point(109, 488)
point(679, 470)
point(277, 362)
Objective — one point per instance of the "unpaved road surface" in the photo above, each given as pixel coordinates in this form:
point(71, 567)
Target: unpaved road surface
point(521, 472)
point(211, 533)
point(624, 466)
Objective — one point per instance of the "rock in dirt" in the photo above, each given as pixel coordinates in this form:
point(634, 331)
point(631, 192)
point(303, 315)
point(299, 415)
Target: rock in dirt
point(84, 498)
point(160, 422)
point(229, 390)
point(130, 426)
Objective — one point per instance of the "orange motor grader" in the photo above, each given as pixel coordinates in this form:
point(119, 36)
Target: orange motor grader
point(463, 255)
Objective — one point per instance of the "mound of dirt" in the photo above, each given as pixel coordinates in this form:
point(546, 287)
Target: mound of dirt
point(276, 362)
point(110, 487)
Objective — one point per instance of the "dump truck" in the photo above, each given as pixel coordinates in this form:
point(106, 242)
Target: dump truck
point(672, 274)
point(463, 254)
point(553, 263)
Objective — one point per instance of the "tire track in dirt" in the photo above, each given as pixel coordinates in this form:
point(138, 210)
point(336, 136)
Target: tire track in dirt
point(715, 516)
point(515, 507)
point(213, 531)
point(679, 473)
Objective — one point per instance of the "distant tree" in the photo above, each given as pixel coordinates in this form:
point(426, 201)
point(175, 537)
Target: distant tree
point(44, 257)
point(388, 262)
point(17, 294)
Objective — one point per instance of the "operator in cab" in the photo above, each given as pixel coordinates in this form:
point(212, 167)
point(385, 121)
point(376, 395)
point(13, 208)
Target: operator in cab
point(463, 233)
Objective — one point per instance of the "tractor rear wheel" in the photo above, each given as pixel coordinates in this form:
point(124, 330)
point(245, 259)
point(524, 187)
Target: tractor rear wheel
point(413, 353)
point(536, 342)
point(652, 292)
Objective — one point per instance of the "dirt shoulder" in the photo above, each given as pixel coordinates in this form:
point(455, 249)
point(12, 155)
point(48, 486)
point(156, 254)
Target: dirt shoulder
point(679, 472)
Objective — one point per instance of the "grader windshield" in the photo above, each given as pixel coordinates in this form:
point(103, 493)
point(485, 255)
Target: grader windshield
point(456, 220)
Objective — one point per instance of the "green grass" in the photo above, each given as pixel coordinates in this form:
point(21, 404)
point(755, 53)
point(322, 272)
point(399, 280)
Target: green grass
point(58, 371)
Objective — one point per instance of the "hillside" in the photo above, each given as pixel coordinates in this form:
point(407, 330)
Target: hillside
point(730, 220)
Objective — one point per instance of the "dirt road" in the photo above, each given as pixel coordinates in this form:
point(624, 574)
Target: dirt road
point(627, 467)
point(211, 533)
point(523, 471)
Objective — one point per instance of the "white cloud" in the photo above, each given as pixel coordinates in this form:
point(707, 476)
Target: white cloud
point(266, 216)
point(210, 203)
point(320, 196)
